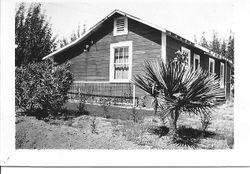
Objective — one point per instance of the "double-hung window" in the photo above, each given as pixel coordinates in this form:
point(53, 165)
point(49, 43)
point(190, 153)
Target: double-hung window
point(222, 75)
point(188, 52)
point(211, 66)
point(121, 61)
point(196, 61)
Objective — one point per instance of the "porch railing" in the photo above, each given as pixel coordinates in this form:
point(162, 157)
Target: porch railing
point(123, 93)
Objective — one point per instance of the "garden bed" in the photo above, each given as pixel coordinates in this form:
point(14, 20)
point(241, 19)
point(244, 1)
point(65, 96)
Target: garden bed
point(119, 132)
point(115, 112)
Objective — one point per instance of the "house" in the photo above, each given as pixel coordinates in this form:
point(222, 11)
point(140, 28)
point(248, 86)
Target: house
point(106, 57)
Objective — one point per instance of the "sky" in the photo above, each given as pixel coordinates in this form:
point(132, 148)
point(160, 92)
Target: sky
point(185, 18)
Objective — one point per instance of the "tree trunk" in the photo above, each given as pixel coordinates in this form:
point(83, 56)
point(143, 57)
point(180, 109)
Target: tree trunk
point(173, 123)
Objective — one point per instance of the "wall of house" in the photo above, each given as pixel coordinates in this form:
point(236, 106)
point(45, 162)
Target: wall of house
point(93, 65)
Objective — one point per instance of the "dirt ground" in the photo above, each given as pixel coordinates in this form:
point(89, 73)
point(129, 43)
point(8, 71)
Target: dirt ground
point(88, 132)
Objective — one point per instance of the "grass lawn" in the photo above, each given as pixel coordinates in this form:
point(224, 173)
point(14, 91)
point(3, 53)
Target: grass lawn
point(120, 132)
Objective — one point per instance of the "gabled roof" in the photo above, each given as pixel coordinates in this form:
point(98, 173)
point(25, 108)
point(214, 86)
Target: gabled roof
point(169, 33)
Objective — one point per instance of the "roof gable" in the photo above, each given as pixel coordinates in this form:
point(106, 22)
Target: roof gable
point(169, 33)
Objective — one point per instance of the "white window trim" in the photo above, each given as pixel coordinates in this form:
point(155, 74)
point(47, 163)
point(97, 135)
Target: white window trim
point(115, 33)
point(111, 65)
point(211, 60)
point(163, 47)
point(197, 57)
point(222, 78)
point(184, 49)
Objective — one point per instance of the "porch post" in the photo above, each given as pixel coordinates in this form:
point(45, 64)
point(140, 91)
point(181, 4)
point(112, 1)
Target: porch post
point(134, 95)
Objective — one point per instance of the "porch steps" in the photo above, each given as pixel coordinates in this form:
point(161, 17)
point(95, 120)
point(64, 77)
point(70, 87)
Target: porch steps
point(221, 98)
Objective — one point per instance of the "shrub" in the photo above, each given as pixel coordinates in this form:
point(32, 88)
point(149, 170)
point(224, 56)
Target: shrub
point(41, 88)
point(205, 122)
point(105, 106)
point(93, 124)
point(135, 116)
point(142, 101)
point(81, 105)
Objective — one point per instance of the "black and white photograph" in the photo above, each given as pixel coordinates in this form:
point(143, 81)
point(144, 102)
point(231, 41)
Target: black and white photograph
point(124, 75)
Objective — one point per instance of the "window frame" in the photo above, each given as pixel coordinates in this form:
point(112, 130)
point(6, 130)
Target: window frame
point(128, 44)
point(198, 57)
point(115, 33)
point(222, 78)
point(213, 61)
point(184, 49)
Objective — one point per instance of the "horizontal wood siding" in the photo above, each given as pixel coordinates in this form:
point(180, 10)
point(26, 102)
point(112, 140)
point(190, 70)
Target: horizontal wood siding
point(93, 65)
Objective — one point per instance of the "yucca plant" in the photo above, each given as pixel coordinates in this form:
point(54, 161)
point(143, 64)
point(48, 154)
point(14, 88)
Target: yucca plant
point(178, 89)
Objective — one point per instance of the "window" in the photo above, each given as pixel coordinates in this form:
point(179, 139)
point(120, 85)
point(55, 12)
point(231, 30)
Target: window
point(121, 61)
point(120, 26)
point(222, 75)
point(188, 52)
point(211, 66)
point(196, 61)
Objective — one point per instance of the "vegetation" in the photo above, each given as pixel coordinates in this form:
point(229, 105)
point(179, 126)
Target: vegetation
point(105, 106)
point(93, 125)
point(33, 35)
point(41, 88)
point(75, 35)
point(178, 89)
point(224, 47)
point(81, 105)
point(122, 133)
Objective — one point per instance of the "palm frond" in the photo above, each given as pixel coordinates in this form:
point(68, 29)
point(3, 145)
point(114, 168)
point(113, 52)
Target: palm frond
point(187, 90)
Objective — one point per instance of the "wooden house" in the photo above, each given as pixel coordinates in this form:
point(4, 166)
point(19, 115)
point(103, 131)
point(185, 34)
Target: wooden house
point(107, 56)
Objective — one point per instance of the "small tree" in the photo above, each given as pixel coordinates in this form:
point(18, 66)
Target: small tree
point(178, 89)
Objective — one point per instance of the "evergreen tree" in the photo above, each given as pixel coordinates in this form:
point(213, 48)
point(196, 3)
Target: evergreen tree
point(215, 43)
point(203, 41)
point(223, 48)
point(230, 47)
point(33, 35)
point(195, 39)
point(75, 35)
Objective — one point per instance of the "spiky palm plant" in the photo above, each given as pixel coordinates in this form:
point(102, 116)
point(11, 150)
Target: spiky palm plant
point(177, 89)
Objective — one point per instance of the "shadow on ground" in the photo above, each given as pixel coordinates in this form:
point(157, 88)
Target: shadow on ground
point(188, 137)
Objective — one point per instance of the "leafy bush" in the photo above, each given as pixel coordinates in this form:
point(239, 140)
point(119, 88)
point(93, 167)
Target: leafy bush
point(135, 116)
point(41, 88)
point(205, 122)
point(105, 106)
point(81, 105)
point(93, 124)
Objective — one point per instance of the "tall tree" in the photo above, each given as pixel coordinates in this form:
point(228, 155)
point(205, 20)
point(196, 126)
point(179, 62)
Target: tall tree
point(215, 43)
point(203, 41)
point(195, 39)
point(75, 35)
point(230, 55)
point(230, 47)
point(223, 48)
point(33, 34)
